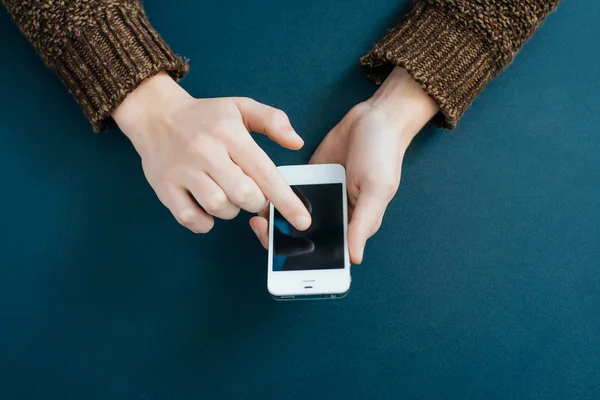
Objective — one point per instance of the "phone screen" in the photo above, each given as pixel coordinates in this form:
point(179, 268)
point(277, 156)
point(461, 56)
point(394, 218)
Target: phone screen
point(322, 245)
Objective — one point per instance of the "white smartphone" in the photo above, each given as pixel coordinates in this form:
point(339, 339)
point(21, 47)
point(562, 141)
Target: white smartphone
point(313, 264)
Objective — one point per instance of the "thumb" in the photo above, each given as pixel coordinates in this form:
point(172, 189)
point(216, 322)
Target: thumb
point(269, 121)
point(366, 220)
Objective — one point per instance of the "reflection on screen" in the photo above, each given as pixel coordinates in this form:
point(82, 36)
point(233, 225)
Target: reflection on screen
point(322, 245)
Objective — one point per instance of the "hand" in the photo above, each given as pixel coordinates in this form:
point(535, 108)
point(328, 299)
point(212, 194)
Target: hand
point(370, 141)
point(199, 157)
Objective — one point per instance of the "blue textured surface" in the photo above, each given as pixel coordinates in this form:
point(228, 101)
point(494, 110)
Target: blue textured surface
point(484, 281)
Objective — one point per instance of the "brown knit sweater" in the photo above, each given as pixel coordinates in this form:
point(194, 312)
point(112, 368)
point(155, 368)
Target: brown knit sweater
point(103, 49)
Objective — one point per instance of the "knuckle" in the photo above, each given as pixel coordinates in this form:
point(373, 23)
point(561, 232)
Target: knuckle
point(221, 127)
point(244, 99)
point(197, 146)
point(375, 225)
point(279, 118)
point(266, 171)
point(243, 193)
point(215, 202)
point(202, 151)
point(243, 143)
point(389, 188)
point(378, 225)
point(186, 217)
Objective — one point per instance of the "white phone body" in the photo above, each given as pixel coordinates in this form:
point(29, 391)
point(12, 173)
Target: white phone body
point(314, 283)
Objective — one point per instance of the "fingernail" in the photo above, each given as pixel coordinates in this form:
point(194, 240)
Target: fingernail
point(302, 222)
point(293, 135)
point(256, 232)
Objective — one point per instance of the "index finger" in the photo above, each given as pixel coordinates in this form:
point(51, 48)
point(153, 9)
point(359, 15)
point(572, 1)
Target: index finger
point(258, 166)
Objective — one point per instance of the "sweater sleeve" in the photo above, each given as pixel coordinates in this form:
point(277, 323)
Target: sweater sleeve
point(101, 49)
point(453, 48)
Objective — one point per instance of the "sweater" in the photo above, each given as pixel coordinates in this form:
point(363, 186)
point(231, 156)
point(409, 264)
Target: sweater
point(103, 49)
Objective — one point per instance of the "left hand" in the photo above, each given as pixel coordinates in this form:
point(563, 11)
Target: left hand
point(370, 141)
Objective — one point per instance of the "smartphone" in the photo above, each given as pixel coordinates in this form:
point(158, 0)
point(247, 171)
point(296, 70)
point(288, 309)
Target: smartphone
point(311, 264)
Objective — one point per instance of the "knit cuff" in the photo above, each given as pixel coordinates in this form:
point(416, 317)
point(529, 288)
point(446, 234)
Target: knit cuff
point(107, 59)
point(452, 63)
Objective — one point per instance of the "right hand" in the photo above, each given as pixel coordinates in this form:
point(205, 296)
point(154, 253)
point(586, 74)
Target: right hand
point(199, 157)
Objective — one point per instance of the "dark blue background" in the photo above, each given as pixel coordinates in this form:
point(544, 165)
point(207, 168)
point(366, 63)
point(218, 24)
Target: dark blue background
point(484, 281)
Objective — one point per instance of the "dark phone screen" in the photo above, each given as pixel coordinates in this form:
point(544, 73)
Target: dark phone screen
point(322, 245)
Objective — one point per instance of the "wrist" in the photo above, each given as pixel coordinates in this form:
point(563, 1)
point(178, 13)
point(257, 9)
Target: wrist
point(149, 105)
point(408, 105)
